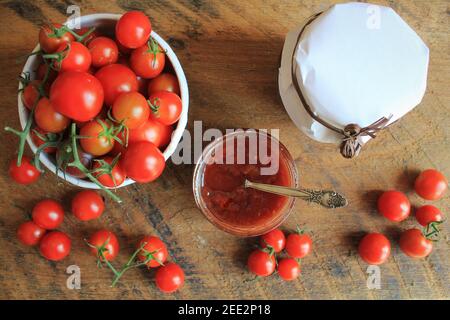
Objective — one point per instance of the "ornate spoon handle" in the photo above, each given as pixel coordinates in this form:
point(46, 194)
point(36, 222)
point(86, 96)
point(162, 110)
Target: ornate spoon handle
point(327, 198)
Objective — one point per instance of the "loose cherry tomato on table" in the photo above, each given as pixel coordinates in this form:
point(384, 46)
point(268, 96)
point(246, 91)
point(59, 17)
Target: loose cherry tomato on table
point(116, 79)
point(166, 107)
point(29, 233)
point(50, 38)
point(298, 245)
point(72, 56)
point(169, 278)
point(87, 205)
point(288, 269)
point(275, 239)
point(55, 246)
point(48, 119)
point(77, 95)
point(104, 51)
point(143, 162)
point(152, 131)
point(154, 248)
point(414, 244)
point(427, 214)
point(133, 29)
point(48, 214)
point(394, 205)
point(30, 94)
point(261, 263)
point(106, 242)
point(131, 108)
point(148, 61)
point(39, 137)
point(431, 184)
point(374, 248)
point(109, 174)
point(26, 173)
point(164, 82)
point(97, 137)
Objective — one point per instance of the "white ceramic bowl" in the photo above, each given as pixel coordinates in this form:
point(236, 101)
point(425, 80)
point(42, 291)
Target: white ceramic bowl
point(107, 21)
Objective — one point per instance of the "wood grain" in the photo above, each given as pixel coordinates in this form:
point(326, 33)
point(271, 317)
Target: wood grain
point(229, 51)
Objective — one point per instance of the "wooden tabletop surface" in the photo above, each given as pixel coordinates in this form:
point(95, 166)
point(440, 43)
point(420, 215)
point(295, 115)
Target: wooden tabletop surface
point(229, 51)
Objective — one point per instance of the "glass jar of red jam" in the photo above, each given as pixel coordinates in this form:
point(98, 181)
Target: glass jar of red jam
point(219, 178)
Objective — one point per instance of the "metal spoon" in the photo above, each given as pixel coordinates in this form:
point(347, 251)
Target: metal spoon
point(327, 198)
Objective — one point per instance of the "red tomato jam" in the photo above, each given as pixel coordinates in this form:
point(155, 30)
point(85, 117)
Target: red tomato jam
point(232, 162)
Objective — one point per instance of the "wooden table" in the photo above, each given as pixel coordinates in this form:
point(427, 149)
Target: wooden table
point(229, 51)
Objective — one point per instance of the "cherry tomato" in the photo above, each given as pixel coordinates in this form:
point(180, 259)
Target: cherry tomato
point(48, 214)
point(30, 94)
point(261, 263)
point(94, 34)
point(431, 184)
point(148, 61)
point(133, 29)
point(274, 239)
point(394, 205)
point(96, 138)
point(48, 119)
point(107, 240)
point(87, 205)
point(298, 245)
point(30, 233)
point(288, 269)
point(50, 39)
point(152, 131)
point(154, 246)
point(414, 244)
point(143, 162)
point(55, 246)
point(374, 248)
point(131, 108)
point(26, 173)
point(164, 82)
point(116, 79)
point(77, 95)
point(427, 214)
point(64, 156)
point(104, 51)
point(38, 141)
point(166, 107)
point(113, 179)
point(169, 278)
point(75, 57)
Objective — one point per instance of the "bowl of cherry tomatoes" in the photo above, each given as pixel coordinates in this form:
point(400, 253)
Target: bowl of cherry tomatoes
point(111, 96)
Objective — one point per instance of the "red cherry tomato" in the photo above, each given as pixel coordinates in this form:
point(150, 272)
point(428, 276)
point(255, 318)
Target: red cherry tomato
point(48, 119)
point(431, 184)
point(164, 82)
point(143, 162)
point(374, 248)
point(38, 141)
point(50, 39)
point(261, 263)
point(414, 244)
point(131, 108)
point(48, 214)
point(75, 57)
point(104, 51)
point(30, 233)
point(116, 79)
point(108, 241)
point(87, 205)
point(394, 205)
point(55, 246)
point(288, 269)
point(274, 239)
point(133, 29)
point(427, 214)
point(77, 95)
point(112, 179)
point(26, 173)
point(149, 60)
point(298, 245)
point(166, 107)
point(96, 138)
point(30, 94)
point(153, 248)
point(169, 278)
point(152, 131)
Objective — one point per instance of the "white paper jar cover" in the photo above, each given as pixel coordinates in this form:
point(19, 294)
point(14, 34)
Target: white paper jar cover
point(355, 63)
